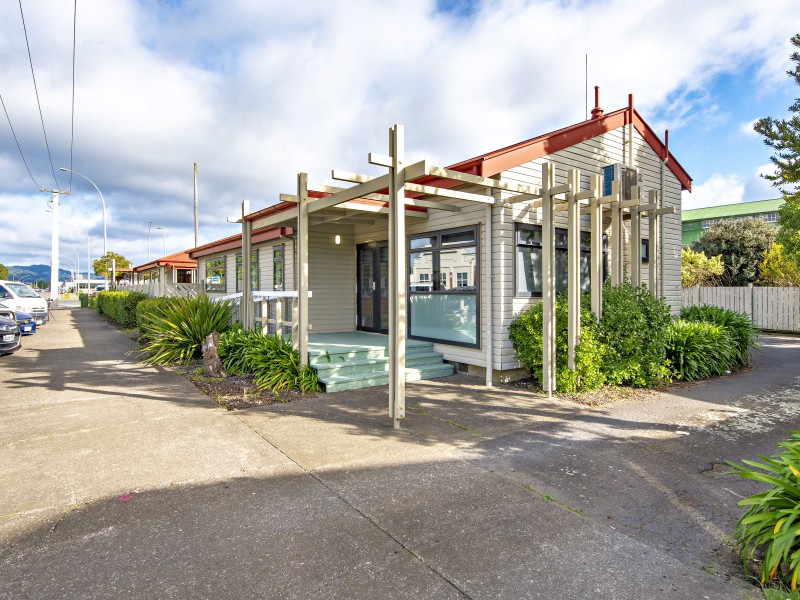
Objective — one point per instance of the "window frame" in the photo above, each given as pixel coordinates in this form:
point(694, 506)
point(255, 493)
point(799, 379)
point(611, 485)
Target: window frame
point(255, 271)
point(222, 286)
point(279, 272)
point(560, 249)
point(435, 278)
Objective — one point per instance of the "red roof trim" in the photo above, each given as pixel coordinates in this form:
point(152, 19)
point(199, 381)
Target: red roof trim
point(263, 234)
point(509, 157)
point(179, 260)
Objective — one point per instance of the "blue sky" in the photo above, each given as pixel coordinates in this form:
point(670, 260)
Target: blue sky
point(255, 91)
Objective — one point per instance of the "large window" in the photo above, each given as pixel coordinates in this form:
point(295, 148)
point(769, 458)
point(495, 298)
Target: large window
point(529, 260)
point(443, 285)
point(215, 274)
point(253, 270)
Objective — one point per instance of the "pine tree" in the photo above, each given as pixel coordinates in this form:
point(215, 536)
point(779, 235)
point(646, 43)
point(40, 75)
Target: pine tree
point(783, 136)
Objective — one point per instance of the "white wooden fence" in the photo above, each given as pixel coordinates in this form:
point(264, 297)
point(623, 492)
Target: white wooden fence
point(770, 308)
point(162, 288)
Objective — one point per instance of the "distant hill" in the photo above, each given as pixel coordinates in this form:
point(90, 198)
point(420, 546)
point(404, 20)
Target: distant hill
point(33, 273)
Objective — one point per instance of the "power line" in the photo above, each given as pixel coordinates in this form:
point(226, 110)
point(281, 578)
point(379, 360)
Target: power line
point(38, 187)
point(36, 89)
point(72, 124)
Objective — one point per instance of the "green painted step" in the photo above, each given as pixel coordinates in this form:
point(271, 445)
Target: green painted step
point(349, 367)
point(340, 383)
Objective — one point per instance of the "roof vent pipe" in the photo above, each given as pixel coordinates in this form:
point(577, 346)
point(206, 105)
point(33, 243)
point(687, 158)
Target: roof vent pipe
point(597, 112)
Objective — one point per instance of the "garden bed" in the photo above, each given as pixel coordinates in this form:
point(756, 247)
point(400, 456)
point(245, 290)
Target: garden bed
point(235, 392)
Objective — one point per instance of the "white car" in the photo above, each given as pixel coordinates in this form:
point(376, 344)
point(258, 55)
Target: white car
point(22, 298)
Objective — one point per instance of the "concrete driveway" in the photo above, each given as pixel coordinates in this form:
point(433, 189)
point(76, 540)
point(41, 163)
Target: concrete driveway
point(121, 480)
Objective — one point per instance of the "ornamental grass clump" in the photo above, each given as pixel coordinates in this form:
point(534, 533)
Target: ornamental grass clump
point(270, 358)
point(177, 333)
point(771, 525)
point(740, 328)
point(697, 350)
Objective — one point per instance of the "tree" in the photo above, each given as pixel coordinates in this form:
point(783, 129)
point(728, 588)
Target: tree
point(102, 266)
point(783, 136)
point(3, 271)
point(777, 269)
point(742, 243)
point(698, 269)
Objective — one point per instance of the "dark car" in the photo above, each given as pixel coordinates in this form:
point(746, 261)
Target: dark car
point(26, 323)
point(9, 336)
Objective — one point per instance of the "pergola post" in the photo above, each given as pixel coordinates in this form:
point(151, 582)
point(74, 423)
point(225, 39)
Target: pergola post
point(596, 258)
point(653, 222)
point(573, 266)
point(548, 282)
point(636, 238)
point(397, 279)
point(246, 309)
point(615, 247)
point(302, 266)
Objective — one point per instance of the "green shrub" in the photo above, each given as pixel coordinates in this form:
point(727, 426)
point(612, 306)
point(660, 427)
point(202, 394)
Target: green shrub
point(120, 306)
point(270, 358)
point(697, 350)
point(772, 523)
point(634, 331)
point(146, 309)
point(176, 335)
point(740, 328)
point(526, 336)
point(233, 347)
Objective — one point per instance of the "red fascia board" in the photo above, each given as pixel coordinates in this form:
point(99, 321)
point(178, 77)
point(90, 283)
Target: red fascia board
point(259, 235)
point(510, 157)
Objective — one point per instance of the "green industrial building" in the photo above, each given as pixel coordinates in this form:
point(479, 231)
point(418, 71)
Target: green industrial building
point(694, 222)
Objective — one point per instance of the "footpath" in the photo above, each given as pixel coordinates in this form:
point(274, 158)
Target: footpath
point(123, 480)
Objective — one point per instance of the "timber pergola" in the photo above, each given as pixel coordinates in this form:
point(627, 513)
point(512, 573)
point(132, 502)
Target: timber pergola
point(405, 191)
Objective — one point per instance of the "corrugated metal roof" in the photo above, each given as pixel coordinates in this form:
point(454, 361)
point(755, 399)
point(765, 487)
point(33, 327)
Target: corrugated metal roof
point(740, 209)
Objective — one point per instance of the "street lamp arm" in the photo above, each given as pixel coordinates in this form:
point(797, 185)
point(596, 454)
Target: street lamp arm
point(105, 240)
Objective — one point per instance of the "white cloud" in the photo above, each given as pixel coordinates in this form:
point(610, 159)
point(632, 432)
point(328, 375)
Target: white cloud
point(717, 189)
point(746, 129)
point(258, 90)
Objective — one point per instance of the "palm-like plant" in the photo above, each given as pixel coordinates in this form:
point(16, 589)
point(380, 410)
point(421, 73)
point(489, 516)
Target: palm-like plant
point(697, 350)
point(740, 328)
point(176, 335)
point(772, 522)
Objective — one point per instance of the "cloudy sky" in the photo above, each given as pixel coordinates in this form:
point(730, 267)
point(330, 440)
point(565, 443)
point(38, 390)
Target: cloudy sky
point(255, 91)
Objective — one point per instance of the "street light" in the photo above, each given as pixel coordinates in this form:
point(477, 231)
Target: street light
point(88, 258)
point(164, 230)
point(105, 240)
point(149, 227)
point(77, 285)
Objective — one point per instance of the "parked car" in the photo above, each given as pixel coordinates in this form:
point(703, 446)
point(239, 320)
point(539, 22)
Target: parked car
point(100, 288)
point(22, 298)
point(26, 323)
point(9, 336)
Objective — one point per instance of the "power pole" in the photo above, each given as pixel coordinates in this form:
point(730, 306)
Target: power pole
point(195, 207)
point(54, 248)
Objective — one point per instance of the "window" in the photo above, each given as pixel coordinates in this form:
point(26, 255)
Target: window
point(529, 260)
point(278, 265)
point(645, 251)
point(771, 217)
point(215, 274)
point(253, 271)
point(443, 276)
point(708, 223)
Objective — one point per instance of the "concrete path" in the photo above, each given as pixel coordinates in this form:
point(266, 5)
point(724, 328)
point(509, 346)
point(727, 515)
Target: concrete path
point(121, 480)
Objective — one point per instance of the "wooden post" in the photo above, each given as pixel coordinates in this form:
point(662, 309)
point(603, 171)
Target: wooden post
point(653, 233)
point(397, 279)
point(302, 267)
point(248, 312)
point(616, 235)
point(573, 266)
point(596, 260)
point(636, 238)
point(548, 282)
point(488, 252)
